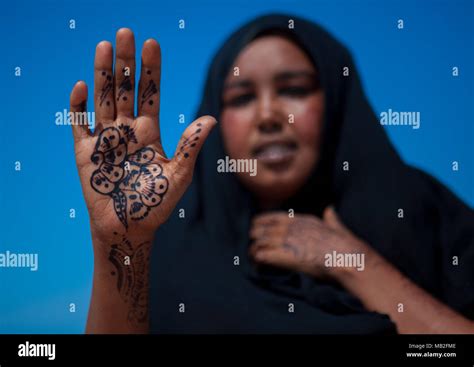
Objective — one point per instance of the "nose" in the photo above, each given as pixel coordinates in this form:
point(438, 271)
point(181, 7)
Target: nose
point(268, 120)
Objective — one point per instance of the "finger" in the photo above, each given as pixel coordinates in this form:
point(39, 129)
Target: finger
point(256, 247)
point(274, 256)
point(191, 142)
point(332, 219)
point(104, 105)
point(149, 85)
point(270, 218)
point(78, 109)
point(257, 232)
point(124, 72)
point(262, 245)
point(268, 231)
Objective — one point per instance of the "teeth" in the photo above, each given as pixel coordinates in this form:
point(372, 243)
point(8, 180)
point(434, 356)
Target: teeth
point(274, 151)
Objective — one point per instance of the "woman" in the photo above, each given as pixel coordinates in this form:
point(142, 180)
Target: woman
point(245, 253)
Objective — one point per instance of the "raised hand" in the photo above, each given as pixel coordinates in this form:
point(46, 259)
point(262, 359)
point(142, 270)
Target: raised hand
point(128, 183)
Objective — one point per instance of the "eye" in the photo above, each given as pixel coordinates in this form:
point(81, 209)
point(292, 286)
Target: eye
point(295, 91)
point(240, 100)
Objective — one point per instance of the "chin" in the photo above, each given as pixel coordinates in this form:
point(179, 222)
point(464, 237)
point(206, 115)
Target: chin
point(274, 187)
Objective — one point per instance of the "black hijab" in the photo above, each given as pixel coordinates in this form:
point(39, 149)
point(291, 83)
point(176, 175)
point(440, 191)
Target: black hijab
point(202, 280)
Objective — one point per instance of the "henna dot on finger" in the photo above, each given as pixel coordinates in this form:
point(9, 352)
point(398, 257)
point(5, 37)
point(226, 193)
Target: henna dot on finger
point(190, 142)
point(150, 90)
point(105, 89)
point(125, 84)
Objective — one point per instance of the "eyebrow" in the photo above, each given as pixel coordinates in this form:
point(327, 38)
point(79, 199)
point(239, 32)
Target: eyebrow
point(294, 74)
point(283, 76)
point(238, 84)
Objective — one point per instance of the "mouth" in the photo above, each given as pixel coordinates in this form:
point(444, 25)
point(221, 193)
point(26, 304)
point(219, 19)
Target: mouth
point(276, 153)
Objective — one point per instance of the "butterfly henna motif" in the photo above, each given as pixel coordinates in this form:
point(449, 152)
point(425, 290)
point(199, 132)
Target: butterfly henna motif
point(133, 182)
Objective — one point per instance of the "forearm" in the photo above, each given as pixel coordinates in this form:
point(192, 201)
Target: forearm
point(384, 289)
point(120, 292)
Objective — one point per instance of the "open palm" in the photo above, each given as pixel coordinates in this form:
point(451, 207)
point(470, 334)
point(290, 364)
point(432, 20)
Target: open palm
point(127, 181)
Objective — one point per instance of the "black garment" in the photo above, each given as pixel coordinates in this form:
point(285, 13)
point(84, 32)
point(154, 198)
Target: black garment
point(193, 258)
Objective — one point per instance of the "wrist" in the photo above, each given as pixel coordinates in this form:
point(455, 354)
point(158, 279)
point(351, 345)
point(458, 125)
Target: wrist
point(125, 248)
point(120, 283)
point(104, 239)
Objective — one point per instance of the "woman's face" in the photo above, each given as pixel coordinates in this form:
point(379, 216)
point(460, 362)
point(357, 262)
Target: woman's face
point(273, 112)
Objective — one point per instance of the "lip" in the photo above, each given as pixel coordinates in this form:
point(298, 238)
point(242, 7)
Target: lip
point(275, 153)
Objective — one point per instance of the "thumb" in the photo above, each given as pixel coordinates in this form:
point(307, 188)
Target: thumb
point(191, 143)
point(332, 219)
point(78, 101)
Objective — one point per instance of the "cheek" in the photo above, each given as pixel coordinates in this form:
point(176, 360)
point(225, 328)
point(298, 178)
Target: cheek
point(236, 127)
point(309, 120)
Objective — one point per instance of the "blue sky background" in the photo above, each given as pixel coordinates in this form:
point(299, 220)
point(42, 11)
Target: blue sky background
point(406, 70)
